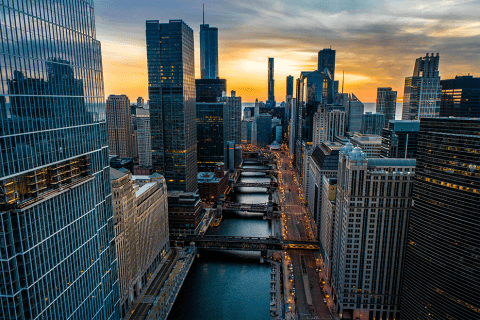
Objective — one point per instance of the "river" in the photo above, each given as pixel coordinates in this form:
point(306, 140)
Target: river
point(229, 285)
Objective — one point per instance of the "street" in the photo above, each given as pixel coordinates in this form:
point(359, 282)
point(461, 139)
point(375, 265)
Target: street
point(296, 225)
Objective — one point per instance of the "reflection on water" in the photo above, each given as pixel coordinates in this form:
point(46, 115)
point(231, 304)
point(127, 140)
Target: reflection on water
point(230, 285)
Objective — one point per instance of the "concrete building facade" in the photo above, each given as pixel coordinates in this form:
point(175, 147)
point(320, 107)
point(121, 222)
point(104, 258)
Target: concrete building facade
point(119, 124)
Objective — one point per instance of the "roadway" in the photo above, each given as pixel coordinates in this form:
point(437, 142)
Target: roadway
point(146, 302)
point(297, 225)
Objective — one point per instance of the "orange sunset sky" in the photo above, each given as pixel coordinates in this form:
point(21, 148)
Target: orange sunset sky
point(376, 42)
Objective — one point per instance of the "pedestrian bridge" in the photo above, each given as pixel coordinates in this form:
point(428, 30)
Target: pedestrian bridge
point(246, 243)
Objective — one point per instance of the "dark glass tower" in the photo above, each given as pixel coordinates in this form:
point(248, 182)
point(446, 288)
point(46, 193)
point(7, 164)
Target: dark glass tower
point(271, 84)
point(460, 97)
point(208, 90)
point(290, 86)
point(386, 103)
point(208, 52)
point(171, 86)
point(400, 139)
point(57, 239)
point(210, 134)
point(326, 60)
point(442, 263)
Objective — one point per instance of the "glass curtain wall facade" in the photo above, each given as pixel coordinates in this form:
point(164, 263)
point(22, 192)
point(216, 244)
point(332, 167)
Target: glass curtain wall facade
point(210, 135)
point(386, 103)
point(326, 60)
point(441, 275)
point(271, 83)
point(460, 97)
point(171, 85)
point(208, 52)
point(423, 91)
point(57, 239)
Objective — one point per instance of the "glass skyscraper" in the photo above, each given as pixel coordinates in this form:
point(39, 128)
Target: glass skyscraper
point(326, 60)
point(460, 97)
point(387, 103)
point(442, 262)
point(422, 90)
point(171, 87)
point(208, 52)
point(271, 83)
point(210, 134)
point(57, 240)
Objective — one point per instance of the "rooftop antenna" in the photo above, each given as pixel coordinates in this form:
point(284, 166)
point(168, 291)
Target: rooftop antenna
point(343, 80)
point(204, 13)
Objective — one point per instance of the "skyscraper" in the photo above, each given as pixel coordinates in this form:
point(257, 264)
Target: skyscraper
point(442, 261)
point(208, 52)
point(290, 86)
point(211, 131)
point(386, 103)
point(326, 61)
point(57, 238)
point(144, 138)
point(460, 97)
point(271, 84)
point(119, 125)
point(172, 102)
point(355, 114)
point(209, 90)
point(371, 214)
point(400, 139)
point(373, 123)
point(422, 90)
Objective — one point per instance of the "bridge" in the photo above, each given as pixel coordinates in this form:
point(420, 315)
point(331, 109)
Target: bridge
point(268, 185)
point(269, 211)
point(246, 243)
point(254, 170)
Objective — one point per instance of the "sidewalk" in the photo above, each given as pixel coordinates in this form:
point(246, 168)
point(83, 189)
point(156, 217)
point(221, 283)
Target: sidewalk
point(327, 289)
point(135, 302)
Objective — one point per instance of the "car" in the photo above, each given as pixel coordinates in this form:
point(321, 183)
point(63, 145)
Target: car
point(311, 286)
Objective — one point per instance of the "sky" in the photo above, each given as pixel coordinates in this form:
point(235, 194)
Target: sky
point(376, 41)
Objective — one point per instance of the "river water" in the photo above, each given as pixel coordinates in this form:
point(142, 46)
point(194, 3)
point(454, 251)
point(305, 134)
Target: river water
point(230, 285)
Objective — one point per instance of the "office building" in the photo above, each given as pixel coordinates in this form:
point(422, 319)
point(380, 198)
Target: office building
point(442, 259)
point(460, 97)
point(290, 86)
point(184, 213)
point(271, 84)
point(57, 237)
point(211, 131)
point(386, 104)
point(327, 223)
point(144, 138)
point(355, 114)
point(328, 122)
point(371, 213)
point(423, 90)
point(119, 124)
point(326, 64)
point(140, 102)
point(208, 52)
point(172, 102)
point(373, 123)
point(209, 90)
point(264, 130)
point(211, 185)
point(400, 139)
point(323, 163)
point(141, 231)
point(233, 117)
point(370, 144)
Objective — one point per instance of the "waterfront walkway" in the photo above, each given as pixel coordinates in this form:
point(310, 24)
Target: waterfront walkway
point(144, 304)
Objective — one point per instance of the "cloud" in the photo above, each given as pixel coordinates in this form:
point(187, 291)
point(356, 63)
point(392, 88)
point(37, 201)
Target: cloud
point(377, 42)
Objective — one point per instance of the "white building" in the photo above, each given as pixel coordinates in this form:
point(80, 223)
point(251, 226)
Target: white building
point(144, 138)
point(327, 224)
point(370, 144)
point(373, 201)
